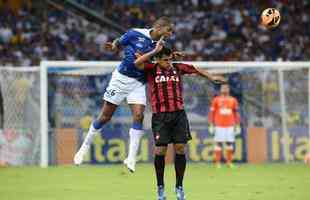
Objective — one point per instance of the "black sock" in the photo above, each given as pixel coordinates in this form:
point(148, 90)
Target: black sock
point(179, 165)
point(159, 163)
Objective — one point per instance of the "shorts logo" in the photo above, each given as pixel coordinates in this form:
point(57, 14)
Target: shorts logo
point(110, 93)
point(157, 136)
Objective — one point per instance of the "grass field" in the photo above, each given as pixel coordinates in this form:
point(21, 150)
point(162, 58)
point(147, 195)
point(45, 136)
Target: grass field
point(202, 182)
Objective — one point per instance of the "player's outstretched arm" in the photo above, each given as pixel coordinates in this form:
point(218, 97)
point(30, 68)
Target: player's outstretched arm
point(141, 59)
point(213, 78)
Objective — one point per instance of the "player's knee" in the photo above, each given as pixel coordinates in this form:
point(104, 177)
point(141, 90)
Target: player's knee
point(160, 150)
point(104, 118)
point(179, 148)
point(219, 144)
point(138, 117)
point(229, 145)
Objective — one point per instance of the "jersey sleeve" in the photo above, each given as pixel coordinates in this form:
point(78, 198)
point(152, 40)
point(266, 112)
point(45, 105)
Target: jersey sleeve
point(186, 69)
point(212, 111)
point(124, 40)
point(236, 111)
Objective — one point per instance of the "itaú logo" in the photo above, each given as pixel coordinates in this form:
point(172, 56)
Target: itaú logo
point(159, 79)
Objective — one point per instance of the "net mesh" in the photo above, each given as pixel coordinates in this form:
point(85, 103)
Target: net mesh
point(75, 98)
point(20, 116)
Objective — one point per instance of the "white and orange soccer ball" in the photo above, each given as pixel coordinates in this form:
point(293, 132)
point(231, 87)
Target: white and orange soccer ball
point(270, 18)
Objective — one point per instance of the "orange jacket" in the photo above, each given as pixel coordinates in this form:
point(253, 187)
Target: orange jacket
point(224, 111)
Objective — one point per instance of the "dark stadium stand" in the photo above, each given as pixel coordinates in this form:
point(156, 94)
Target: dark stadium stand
point(205, 30)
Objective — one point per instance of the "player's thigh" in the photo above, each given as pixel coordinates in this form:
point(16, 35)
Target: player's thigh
point(230, 134)
point(180, 129)
point(224, 134)
point(219, 135)
point(161, 129)
point(120, 86)
point(137, 95)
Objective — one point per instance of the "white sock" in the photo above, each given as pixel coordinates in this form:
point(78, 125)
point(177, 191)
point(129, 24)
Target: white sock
point(89, 137)
point(134, 142)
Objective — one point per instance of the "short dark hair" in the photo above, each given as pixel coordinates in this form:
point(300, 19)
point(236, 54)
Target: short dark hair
point(163, 21)
point(165, 51)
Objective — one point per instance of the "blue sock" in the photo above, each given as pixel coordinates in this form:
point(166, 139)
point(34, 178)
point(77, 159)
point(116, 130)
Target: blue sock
point(137, 126)
point(97, 124)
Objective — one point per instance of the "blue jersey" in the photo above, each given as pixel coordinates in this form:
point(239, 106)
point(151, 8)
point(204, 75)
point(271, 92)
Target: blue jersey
point(134, 40)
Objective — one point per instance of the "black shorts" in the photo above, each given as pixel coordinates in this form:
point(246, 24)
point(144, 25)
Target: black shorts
point(170, 127)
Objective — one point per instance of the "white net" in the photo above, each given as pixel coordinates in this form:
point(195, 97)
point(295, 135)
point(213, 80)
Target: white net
point(75, 97)
point(20, 116)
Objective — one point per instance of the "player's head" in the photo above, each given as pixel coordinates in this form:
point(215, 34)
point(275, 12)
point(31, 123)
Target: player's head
point(163, 26)
point(164, 57)
point(225, 90)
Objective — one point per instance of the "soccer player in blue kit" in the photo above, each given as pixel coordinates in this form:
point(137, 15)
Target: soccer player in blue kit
point(127, 82)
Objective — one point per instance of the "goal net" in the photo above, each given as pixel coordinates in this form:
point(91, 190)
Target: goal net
point(50, 125)
point(19, 116)
point(273, 97)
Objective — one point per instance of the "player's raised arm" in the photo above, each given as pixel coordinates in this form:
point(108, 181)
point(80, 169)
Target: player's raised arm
point(141, 59)
point(190, 69)
point(213, 78)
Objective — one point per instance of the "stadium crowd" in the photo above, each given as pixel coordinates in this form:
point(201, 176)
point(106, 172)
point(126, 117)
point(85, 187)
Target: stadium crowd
point(204, 30)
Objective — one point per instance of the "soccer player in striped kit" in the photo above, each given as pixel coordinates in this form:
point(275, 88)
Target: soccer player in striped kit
point(169, 120)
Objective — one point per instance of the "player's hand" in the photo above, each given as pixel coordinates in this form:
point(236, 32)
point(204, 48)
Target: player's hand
point(211, 129)
point(159, 45)
point(110, 46)
point(237, 129)
point(138, 54)
point(176, 55)
point(219, 79)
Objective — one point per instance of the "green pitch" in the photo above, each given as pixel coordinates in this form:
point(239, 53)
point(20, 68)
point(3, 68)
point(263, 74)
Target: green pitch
point(202, 182)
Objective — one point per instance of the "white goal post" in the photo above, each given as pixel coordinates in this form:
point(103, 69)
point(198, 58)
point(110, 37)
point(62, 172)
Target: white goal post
point(86, 67)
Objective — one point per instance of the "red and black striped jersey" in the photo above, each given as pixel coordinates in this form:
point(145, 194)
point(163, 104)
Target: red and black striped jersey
point(165, 86)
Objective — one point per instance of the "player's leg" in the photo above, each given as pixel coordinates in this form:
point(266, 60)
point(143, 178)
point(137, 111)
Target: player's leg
point(219, 139)
point(218, 154)
point(180, 136)
point(113, 96)
point(229, 153)
point(161, 140)
point(137, 101)
point(230, 139)
point(104, 117)
point(159, 164)
point(180, 166)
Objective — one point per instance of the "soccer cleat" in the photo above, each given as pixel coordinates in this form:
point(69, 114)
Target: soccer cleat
point(180, 193)
point(130, 164)
point(161, 193)
point(78, 157)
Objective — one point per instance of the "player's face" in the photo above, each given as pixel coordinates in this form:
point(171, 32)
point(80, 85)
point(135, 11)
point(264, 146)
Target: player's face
point(165, 31)
point(225, 90)
point(165, 62)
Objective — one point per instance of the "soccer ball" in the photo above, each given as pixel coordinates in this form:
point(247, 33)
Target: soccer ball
point(270, 18)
